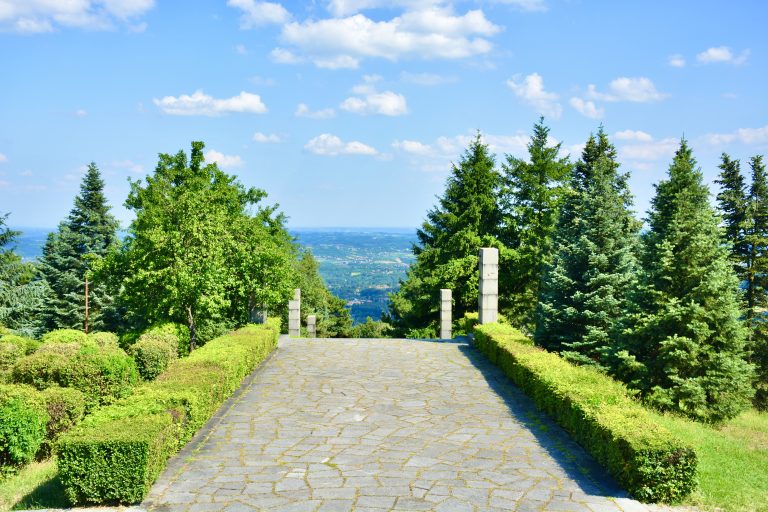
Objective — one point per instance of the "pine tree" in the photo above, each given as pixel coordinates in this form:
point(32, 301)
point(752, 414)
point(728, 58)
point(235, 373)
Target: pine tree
point(68, 256)
point(757, 276)
point(692, 340)
point(466, 218)
point(531, 195)
point(732, 202)
point(586, 292)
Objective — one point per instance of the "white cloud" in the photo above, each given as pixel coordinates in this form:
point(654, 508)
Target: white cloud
point(722, 54)
point(430, 32)
point(531, 90)
point(201, 104)
point(26, 173)
point(749, 136)
point(426, 79)
point(256, 14)
point(526, 5)
point(330, 145)
point(637, 89)
point(264, 138)
point(241, 49)
point(128, 165)
point(283, 56)
point(3, 158)
point(260, 80)
point(633, 135)
point(370, 101)
point(650, 150)
point(587, 108)
point(81, 112)
point(676, 61)
point(223, 161)
point(302, 110)
point(413, 147)
point(36, 16)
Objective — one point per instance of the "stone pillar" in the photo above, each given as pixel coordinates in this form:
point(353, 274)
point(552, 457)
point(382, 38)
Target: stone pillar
point(488, 300)
point(312, 326)
point(294, 314)
point(446, 304)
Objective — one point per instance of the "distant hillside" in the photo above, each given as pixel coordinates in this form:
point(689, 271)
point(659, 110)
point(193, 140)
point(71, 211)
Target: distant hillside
point(360, 265)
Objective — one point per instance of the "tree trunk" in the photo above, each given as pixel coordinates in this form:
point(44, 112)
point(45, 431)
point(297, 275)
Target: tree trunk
point(192, 330)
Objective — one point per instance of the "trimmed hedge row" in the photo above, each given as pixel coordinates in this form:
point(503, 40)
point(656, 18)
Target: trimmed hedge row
point(116, 454)
point(647, 459)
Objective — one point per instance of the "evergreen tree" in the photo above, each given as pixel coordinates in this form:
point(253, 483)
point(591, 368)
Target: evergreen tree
point(86, 235)
point(587, 291)
point(732, 202)
point(691, 343)
point(21, 295)
point(466, 218)
point(531, 196)
point(757, 276)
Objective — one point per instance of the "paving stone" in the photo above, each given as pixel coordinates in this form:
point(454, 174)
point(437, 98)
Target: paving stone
point(341, 425)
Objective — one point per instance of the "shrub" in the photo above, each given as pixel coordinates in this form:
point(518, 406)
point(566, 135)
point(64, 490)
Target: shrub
point(101, 375)
point(152, 356)
point(104, 339)
point(9, 354)
point(180, 332)
point(27, 345)
point(22, 426)
point(65, 406)
point(65, 336)
point(115, 454)
point(598, 412)
point(62, 349)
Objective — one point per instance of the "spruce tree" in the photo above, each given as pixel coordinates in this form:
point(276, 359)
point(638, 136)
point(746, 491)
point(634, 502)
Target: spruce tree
point(68, 255)
point(757, 276)
point(732, 202)
point(692, 340)
point(466, 218)
point(587, 291)
point(531, 195)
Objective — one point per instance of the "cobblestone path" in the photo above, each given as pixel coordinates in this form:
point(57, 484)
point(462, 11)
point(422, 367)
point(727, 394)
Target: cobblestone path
point(336, 425)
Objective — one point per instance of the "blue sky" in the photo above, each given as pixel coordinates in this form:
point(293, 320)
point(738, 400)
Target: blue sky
point(349, 112)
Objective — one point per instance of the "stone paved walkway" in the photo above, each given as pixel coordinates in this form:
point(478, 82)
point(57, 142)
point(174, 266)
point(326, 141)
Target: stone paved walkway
point(364, 425)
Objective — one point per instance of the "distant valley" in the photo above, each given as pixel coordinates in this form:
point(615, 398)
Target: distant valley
point(360, 265)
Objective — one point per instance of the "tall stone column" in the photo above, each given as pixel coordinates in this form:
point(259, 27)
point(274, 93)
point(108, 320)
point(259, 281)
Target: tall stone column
point(446, 305)
point(312, 326)
point(294, 314)
point(488, 300)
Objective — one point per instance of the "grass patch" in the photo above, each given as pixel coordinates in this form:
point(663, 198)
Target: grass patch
point(733, 461)
point(36, 486)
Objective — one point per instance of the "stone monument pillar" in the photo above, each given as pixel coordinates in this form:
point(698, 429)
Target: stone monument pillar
point(312, 326)
point(446, 304)
point(294, 314)
point(488, 300)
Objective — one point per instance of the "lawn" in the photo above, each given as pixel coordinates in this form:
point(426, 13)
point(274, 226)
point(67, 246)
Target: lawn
point(733, 461)
point(35, 486)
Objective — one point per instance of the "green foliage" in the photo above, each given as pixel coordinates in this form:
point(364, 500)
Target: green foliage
point(108, 340)
point(23, 418)
point(87, 234)
point(531, 195)
point(9, 354)
point(587, 291)
point(102, 375)
point(370, 329)
point(466, 218)
point(65, 336)
point(114, 455)
point(650, 462)
point(688, 348)
point(465, 325)
point(27, 345)
point(153, 354)
point(21, 295)
point(65, 408)
point(333, 318)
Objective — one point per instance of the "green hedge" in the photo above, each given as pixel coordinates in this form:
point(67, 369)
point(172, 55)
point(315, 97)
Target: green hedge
point(153, 355)
point(647, 459)
point(114, 455)
point(65, 336)
point(105, 339)
point(23, 418)
point(27, 345)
